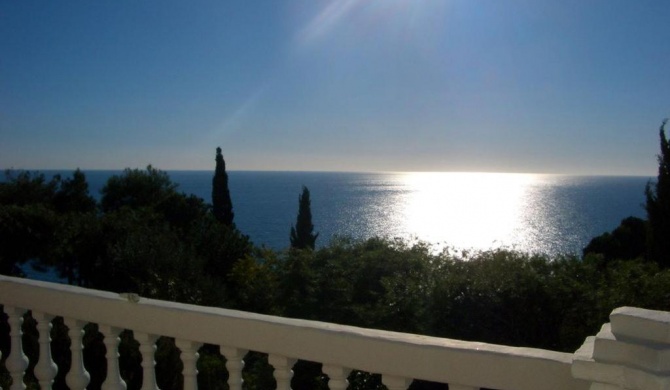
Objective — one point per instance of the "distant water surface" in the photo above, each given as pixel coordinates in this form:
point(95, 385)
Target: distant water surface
point(529, 212)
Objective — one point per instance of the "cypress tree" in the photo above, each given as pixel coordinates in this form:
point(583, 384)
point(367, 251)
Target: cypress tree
point(222, 206)
point(302, 236)
point(658, 206)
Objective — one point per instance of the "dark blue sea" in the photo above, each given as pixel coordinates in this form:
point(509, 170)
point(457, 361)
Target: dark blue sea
point(529, 212)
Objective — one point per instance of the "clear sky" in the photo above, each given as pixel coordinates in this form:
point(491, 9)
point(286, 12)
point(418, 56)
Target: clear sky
point(561, 86)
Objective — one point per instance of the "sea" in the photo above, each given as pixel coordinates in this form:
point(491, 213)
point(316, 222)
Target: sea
point(535, 213)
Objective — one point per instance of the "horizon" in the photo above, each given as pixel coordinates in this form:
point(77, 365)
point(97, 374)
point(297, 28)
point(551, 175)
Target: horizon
point(168, 171)
point(570, 87)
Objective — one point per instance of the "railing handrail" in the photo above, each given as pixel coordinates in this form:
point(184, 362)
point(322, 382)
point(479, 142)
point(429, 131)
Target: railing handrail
point(392, 353)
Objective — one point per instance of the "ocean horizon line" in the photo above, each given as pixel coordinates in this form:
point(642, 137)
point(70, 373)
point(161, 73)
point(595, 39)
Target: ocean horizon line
point(120, 170)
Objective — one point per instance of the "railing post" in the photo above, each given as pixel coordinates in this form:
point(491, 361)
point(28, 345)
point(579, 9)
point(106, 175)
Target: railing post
point(629, 353)
point(282, 370)
point(45, 370)
point(78, 378)
point(111, 341)
point(234, 365)
point(397, 383)
point(148, 350)
point(337, 376)
point(17, 361)
point(189, 356)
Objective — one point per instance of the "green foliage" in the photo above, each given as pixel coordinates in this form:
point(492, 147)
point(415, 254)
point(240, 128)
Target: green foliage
point(502, 297)
point(297, 285)
point(77, 247)
point(257, 373)
point(219, 246)
point(26, 232)
point(302, 236)
point(212, 373)
point(136, 188)
point(658, 206)
point(626, 242)
point(163, 244)
point(41, 219)
point(254, 284)
point(22, 188)
point(144, 255)
point(145, 238)
point(73, 195)
point(374, 283)
point(27, 218)
point(222, 205)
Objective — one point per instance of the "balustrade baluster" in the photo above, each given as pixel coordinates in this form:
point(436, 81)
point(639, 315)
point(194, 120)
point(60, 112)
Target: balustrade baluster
point(148, 350)
point(16, 362)
point(337, 376)
point(189, 356)
point(396, 382)
point(113, 381)
point(78, 378)
point(46, 369)
point(282, 370)
point(453, 386)
point(234, 365)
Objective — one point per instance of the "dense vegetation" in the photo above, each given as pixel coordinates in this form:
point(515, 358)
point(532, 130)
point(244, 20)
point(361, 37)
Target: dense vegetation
point(146, 237)
point(658, 206)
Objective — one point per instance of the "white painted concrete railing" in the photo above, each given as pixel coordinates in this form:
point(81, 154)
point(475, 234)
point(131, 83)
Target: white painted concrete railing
point(398, 357)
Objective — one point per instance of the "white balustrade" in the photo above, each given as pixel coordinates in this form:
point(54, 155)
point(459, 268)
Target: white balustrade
point(17, 361)
point(77, 378)
point(234, 365)
point(46, 369)
point(282, 370)
point(113, 381)
point(337, 376)
point(631, 353)
point(189, 356)
point(148, 350)
point(397, 383)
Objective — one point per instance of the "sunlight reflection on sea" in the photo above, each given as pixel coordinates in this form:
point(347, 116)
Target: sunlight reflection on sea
point(468, 210)
point(529, 212)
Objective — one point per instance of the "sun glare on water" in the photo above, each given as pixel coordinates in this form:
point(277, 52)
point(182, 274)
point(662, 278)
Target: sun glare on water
point(468, 210)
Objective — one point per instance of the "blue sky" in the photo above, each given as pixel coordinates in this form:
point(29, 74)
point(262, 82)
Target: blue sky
point(564, 86)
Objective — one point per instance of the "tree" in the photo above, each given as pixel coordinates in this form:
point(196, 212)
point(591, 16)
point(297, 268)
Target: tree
point(73, 195)
point(22, 188)
point(222, 206)
point(136, 188)
point(658, 206)
point(26, 232)
point(626, 242)
point(302, 236)
point(27, 218)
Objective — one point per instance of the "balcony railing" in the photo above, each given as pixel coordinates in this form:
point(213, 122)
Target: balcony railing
point(632, 352)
